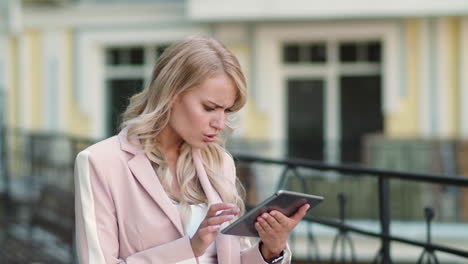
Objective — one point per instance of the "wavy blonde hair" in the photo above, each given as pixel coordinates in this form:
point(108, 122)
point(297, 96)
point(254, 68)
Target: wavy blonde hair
point(183, 66)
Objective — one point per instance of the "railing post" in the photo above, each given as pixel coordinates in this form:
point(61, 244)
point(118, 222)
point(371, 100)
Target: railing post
point(283, 181)
point(6, 195)
point(428, 250)
point(384, 214)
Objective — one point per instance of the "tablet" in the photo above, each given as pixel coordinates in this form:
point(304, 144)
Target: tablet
point(286, 202)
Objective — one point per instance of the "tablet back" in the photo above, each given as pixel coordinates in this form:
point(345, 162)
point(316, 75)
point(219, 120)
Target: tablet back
point(286, 202)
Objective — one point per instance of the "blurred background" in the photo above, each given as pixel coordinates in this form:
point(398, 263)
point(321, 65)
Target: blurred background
point(363, 102)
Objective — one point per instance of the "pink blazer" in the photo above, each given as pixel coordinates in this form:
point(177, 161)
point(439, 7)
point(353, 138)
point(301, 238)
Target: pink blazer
point(123, 214)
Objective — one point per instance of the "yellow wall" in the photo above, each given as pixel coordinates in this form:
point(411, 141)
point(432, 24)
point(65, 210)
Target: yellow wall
point(256, 124)
point(405, 121)
point(451, 36)
point(77, 123)
point(34, 70)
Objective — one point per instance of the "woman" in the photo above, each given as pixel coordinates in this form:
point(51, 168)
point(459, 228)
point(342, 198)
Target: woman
point(160, 191)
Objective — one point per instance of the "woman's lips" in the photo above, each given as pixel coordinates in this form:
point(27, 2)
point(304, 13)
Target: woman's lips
point(209, 138)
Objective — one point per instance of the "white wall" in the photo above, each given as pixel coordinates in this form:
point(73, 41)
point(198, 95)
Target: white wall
point(222, 10)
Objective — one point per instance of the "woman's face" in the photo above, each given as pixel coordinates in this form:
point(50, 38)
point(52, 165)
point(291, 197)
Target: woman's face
point(199, 114)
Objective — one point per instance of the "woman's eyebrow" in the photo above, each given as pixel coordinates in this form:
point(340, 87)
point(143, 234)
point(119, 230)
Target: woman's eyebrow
point(217, 105)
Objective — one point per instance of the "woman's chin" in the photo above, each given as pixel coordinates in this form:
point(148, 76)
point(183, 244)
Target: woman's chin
point(199, 145)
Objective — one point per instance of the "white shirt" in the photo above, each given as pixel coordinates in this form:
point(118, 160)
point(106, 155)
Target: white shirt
point(198, 214)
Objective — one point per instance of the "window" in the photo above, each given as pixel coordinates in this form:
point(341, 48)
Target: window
point(369, 51)
point(305, 53)
point(125, 56)
point(317, 52)
point(160, 49)
point(128, 70)
point(291, 53)
point(329, 115)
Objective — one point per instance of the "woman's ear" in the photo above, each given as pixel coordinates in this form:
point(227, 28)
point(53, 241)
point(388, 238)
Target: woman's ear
point(174, 100)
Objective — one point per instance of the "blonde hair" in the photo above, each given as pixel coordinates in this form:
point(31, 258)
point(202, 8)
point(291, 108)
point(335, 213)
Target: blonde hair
point(183, 66)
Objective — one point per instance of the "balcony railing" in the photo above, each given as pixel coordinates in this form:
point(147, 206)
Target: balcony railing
point(300, 175)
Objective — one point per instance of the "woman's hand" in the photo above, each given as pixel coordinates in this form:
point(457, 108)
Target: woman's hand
point(274, 228)
point(208, 230)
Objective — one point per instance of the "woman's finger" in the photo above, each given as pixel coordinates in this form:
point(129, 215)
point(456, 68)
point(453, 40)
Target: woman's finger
point(260, 229)
point(300, 213)
point(281, 218)
point(275, 225)
point(234, 211)
point(207, 230)
point(218, 220)
point(264, 224)
point(215, 208)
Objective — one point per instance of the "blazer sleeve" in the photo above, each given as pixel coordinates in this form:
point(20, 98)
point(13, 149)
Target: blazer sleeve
point(97, 227)
point(249, 253)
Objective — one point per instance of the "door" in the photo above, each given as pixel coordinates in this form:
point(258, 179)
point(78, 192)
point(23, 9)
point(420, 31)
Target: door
point(120, 91)
point(361, 113)
point(305, 118)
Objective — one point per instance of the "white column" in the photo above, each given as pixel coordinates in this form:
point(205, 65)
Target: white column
point(98, 95)
point(425, 75)
point(391, 78)
point(4, 78)
point(14, 16)
point(23, 104)
point(443, 126)
point(431, 77)
point(331, 89)
point(269, 86)
point(89, 86)
point(53, 81)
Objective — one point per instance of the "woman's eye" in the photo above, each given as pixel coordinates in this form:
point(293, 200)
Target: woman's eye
point(207, 108)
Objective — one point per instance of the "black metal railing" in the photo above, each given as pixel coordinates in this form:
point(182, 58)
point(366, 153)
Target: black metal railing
point(291, 169)
point(31, 165)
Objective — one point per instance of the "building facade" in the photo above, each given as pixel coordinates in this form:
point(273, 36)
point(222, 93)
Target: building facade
point(326, 79)
point(319, 74)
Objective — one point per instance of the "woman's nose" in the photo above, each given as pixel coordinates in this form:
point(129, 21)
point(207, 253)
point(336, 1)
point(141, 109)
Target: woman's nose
point(218, 123)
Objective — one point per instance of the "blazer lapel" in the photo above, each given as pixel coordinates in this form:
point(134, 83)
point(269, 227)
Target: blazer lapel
point(145, 174)
point(223, 242)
